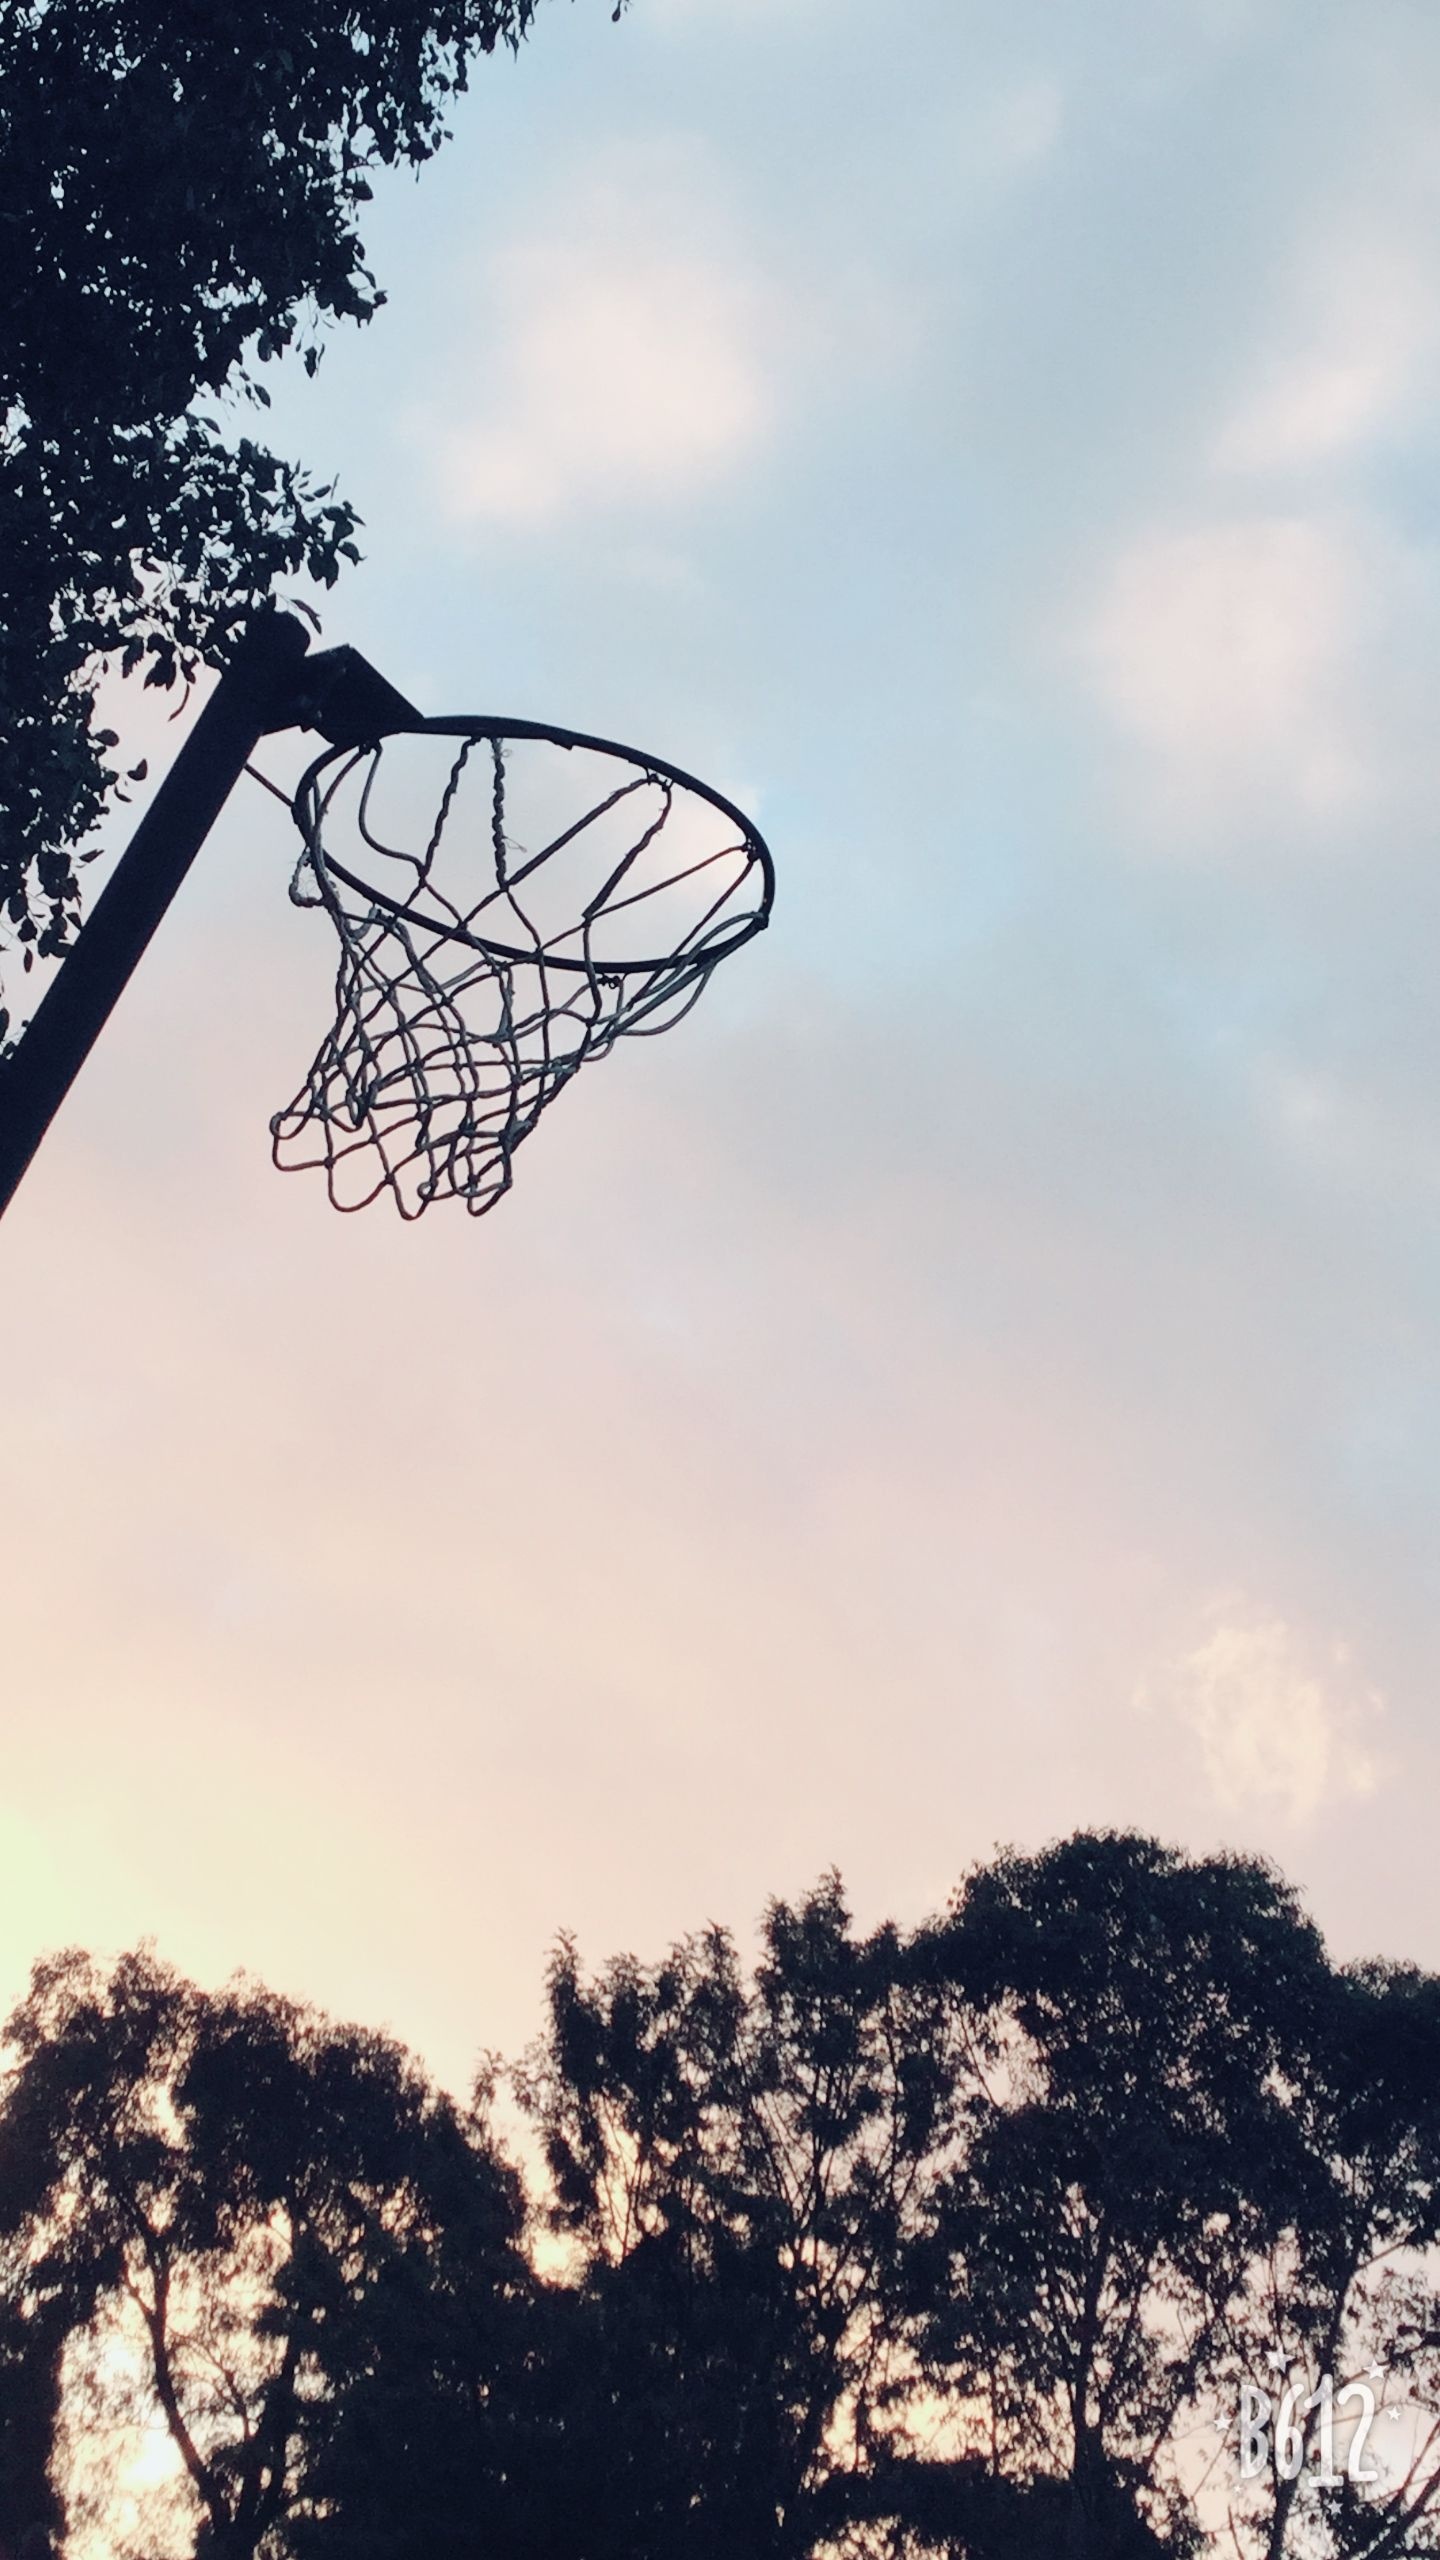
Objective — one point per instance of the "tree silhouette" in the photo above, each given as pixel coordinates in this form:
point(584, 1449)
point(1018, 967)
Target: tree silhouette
point(34, 2328)
point(180, 194)
point(1134, 2010)
point(755, 2174)
point(741, 2166)
point(961, 2241)
point(227, 2197)
point(1348, 2286)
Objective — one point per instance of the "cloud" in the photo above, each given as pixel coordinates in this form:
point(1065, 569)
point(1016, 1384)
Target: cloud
point(1246, 659)
point(1275, 1730)
point(1025, 127)
point(614, 361)
point(1352, 354)
point(1371, 1135)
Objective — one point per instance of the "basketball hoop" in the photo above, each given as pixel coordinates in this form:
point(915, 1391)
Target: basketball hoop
point(511, 900)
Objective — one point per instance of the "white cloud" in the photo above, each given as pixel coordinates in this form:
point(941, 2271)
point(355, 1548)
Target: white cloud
point(1234, 654)
point(1350, 358)
point(613, 360)
point(1276, 1727)
point(1026, 126)
point(1339, 1130)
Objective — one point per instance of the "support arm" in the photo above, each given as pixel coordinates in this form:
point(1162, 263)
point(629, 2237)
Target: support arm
point(254, 695)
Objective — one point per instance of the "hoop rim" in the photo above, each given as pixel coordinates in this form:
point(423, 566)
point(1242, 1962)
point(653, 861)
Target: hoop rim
point(495, 728)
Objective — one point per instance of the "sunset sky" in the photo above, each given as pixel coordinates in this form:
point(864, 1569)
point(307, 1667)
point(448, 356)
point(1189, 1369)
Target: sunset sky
point(981, 1375)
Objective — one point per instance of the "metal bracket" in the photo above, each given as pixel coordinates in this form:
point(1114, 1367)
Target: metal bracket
point(339, 693)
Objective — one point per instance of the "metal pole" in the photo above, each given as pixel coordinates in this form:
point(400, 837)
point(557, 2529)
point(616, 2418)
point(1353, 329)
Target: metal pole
point(252, 696)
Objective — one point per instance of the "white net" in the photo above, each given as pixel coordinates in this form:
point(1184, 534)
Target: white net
point(565, 895)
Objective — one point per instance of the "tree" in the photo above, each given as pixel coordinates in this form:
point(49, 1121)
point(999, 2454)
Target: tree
point(1347, 2288)
point(740, 2165)
point(449, 2431)
point(1129, 2158)
point(959, 2243)
point(229, 2202)
point(33, 2332)
point(180, 194)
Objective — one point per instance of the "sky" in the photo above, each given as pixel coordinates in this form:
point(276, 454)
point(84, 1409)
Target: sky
point(980, 1374)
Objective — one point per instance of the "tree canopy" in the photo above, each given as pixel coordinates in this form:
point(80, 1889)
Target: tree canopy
point(181, 190)
point(222, 2202)
point(965, 2241)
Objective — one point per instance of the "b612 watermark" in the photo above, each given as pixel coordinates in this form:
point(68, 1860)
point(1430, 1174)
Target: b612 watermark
point(1297, 2432)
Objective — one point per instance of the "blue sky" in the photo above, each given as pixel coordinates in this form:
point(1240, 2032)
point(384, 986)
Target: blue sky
point(981, 1375)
